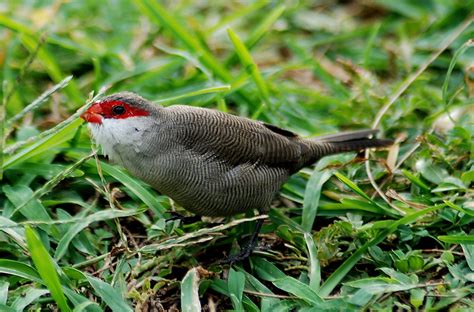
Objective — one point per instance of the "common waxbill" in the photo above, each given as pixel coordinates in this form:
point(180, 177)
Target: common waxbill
point(211, 163)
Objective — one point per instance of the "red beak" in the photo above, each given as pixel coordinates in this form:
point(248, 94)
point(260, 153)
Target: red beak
point(93, 114)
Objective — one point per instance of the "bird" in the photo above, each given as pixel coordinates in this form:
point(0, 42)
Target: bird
point(209, 162)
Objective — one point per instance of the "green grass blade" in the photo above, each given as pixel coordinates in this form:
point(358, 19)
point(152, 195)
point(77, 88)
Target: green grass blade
point(352, 186)
point(243, 11)
point(314, 273)
point(370, 43)
point(4, 292)
point(236, 285)
point(19, 269)
point(48, 139)
point(468, 44)
point(159, 15)
point(22, 197)
point(255, 284)
point(415, 180)
point(468, 250)
point(46, 268)
point(295, 287)
point(457, 239)
point(313, 190)
point(250, 67)
point(259, 31)
point(216, 89)
point(363, 206)
point(359, 191)
point(190, 292)
point(45, 143)
point(14, 230)
point(48, 187)
point(266, 270)
point(269, 272)
point(134, 186)
point(458, 208)
point(27, 297)
point(110, 295)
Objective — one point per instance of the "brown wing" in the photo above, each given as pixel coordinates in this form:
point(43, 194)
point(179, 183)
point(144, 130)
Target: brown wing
point(233, 139)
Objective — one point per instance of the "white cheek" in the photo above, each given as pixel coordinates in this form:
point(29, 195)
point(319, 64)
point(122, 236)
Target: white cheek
point(113, 132)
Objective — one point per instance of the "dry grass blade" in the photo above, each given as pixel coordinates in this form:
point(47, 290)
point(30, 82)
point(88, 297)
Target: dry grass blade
point(206, 231)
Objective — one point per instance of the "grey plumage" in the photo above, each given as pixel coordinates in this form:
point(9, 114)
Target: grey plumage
point(217, 164)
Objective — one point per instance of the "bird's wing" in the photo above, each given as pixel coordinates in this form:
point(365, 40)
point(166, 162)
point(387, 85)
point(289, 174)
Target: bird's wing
point(232, 139)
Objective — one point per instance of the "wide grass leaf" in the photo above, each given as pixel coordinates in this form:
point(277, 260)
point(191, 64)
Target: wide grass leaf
point(299, 289)
point(46, 268)
point(28, 297)
point(14, 230)
point(313, 190)
point(469, 254)
point(190, 292)
point(4, 292)
point(236, 285)
point(33, 210)
point(110, 295)
point(20, 269)
point(314, 273)
point(457, 239)
point(250, 67)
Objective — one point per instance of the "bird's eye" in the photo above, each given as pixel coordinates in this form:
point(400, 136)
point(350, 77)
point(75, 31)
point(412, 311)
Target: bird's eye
point(118, 110)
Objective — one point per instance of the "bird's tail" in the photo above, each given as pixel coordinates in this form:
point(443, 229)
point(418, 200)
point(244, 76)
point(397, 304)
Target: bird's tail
point(351, 141)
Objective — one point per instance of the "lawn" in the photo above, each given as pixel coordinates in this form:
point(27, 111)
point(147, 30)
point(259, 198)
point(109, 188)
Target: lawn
point(382, 231)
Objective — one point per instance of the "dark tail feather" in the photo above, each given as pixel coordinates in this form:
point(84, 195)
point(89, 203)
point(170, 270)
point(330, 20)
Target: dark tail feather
point(351, 141)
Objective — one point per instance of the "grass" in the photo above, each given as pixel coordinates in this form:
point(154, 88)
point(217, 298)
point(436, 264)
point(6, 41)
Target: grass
point(390, 232)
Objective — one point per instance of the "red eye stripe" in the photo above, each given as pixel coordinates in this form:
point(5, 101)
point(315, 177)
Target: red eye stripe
point(106, 110)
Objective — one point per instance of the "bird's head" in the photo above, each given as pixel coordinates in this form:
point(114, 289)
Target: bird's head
point(123, 105)
point(119, 122)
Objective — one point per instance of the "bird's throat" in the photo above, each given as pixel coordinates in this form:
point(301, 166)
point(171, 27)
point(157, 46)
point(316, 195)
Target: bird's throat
point(119, 138)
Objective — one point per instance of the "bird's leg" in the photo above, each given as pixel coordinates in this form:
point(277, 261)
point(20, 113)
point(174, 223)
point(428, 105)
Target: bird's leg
point(246, 251)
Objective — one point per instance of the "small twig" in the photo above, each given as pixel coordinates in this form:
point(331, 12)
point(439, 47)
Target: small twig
point(442, 250)
point(296, 267)
point(91, 261)
point(430, 284)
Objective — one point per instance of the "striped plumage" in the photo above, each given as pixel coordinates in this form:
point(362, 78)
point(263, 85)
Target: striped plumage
point(213, 163)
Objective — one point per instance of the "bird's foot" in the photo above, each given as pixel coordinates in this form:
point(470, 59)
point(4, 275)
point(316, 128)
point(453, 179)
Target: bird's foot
point(242, 255)
point(247, 250)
